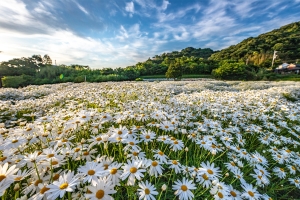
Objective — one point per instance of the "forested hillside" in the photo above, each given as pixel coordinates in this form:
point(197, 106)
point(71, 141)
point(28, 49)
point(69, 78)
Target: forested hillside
point(259, 50)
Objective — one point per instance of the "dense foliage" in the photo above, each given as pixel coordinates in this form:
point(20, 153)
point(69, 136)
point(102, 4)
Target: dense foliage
point(39, 70)
point(259, 50)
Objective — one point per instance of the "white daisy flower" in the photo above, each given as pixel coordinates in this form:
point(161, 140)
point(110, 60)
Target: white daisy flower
point(131, 170)
point(183, 189)
point(91, 171)
point(147, 191)
point(66, 183)
point(102, 190)
point(249, 192)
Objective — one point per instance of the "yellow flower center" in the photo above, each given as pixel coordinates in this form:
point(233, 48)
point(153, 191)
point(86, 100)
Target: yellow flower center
point(120, 132)
point(147, 137)
point(154, 163)
point(205, 177)
point(166, 127)
point(36, 183)
point(281, 169)
point(100, 194)
point(147, 191)
point(220, 195)
point(3, 158)
point(233, 193)
point(44, 189)
point(54, 162)
point(210, 171)
point(251, 193)
point(77, 149)
point(184, 188)
point(113, 171)
point(175, 162)
point(133, 170)
point(99, 139)
point(135, 153)
point(2, 176)
point(50, 155)
point(86, 153)
point(175, 142)
point(105, 166)
point(91, 172)
point(63, 186)
point(56, 177)
point(64, 140)
point(14, 141)
point(161, 153)
point(131, 143)
point(18, 178)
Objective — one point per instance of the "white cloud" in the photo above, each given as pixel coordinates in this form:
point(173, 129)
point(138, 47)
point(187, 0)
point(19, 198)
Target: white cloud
point(165, 5)
point(163, 17)
point(130, 8)
point(244, 9)
point(142, 3)
point(82, 8)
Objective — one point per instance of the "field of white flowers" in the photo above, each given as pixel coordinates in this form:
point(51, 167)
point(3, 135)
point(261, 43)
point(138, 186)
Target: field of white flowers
point(158, 140)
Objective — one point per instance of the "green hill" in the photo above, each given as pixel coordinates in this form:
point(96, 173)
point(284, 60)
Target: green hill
point(259, 50)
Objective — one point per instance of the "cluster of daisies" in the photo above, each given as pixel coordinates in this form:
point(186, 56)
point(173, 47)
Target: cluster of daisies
point(167, 140)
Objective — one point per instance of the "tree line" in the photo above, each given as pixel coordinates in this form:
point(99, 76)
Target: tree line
point(38, 70)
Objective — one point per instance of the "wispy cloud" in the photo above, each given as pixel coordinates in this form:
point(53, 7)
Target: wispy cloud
point(82, 8)
point(100, 34)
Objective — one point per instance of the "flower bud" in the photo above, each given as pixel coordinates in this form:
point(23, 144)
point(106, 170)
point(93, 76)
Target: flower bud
point(163, 187)
point(17, 187)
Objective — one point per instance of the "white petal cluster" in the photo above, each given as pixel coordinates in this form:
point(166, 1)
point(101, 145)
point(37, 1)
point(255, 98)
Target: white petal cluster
point(151, 140)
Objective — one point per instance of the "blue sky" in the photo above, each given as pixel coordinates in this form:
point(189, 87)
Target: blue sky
point(119, 33)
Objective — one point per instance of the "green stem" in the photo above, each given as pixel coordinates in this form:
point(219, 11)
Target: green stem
point(37, 172)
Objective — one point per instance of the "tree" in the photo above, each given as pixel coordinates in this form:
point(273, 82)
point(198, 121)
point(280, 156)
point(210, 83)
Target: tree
point(47, 60)
point(229, 70)
point(174, 71)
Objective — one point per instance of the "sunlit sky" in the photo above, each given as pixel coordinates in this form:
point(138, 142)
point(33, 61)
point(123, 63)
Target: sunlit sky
point(118, 33)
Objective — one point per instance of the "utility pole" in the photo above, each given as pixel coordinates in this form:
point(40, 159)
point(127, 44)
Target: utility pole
point(274, 56)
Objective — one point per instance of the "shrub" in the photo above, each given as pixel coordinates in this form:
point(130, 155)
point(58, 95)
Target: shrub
point(17, 81)
point(231, 71)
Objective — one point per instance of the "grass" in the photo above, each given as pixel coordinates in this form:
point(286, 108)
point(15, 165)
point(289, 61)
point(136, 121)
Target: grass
point(184, 76)
point(287, 77)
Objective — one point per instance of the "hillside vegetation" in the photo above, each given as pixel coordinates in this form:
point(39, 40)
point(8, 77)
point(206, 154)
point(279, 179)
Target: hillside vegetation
point(259, 50)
